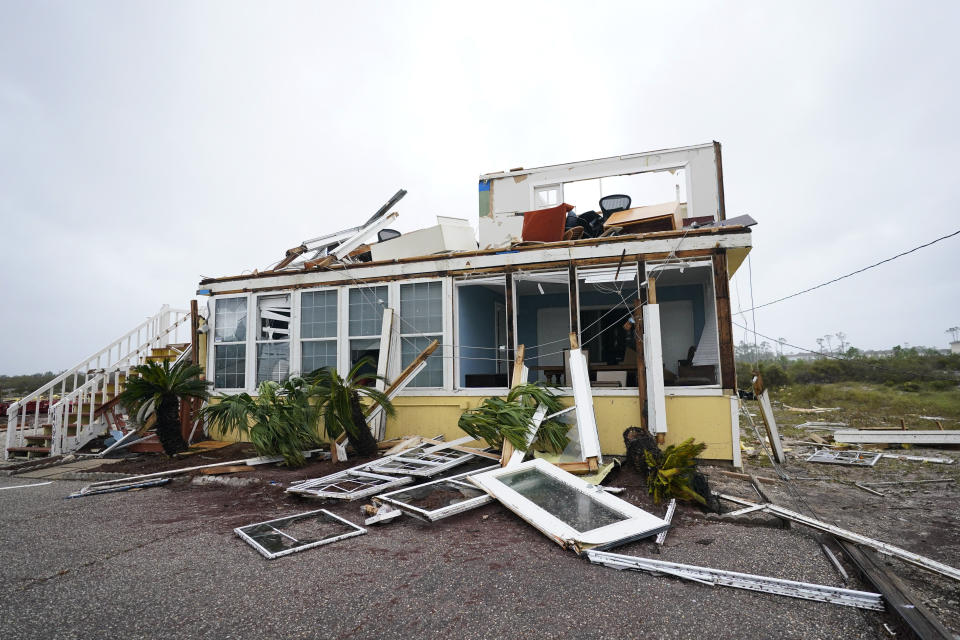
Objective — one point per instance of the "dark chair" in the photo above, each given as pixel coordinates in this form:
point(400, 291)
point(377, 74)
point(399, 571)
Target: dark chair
point(592, 224)
point(387, 234)
point(611, 204)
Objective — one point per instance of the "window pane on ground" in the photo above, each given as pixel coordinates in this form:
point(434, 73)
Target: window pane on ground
point(564, 502)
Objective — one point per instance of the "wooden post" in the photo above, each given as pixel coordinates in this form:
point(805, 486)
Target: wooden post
point(652, 290)
point(509, 312)
point(574, 300)
point(721, 283)
point(188, 408)
point(506, 450)
point(638, 346)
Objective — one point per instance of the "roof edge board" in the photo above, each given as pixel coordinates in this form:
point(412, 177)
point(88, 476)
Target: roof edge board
point(581, 163)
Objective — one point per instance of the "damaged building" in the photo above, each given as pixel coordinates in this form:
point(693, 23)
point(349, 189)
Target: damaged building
point(628, 257)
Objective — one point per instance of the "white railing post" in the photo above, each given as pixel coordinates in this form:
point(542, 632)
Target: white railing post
point(12, 412)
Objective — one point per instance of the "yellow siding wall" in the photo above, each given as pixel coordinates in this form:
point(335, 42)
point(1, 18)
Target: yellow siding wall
point(705, 418)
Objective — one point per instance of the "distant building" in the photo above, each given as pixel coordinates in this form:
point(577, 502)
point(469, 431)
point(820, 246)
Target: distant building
point(955, 346)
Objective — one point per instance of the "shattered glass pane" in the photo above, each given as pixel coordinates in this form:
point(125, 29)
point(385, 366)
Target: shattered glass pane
point(562, 501)
point(295, 531)
point(437, 495)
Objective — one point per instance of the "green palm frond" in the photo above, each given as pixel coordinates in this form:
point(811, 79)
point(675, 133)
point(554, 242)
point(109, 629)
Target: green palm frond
point(671, 472)
point(282, 420)
point(498, 419)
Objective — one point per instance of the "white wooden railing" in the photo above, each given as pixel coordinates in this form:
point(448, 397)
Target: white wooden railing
point(92, 383)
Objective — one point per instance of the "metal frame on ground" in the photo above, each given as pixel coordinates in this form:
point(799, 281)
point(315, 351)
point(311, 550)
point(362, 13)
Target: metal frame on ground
point(243, 533)
point(349, 485)
point(706, 575)
point(432, 515)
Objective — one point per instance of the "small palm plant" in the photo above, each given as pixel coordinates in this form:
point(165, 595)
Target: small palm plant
point(164, 386)
point(498, 419)
point(342, 408)
point(672, 473)
point(282, 420)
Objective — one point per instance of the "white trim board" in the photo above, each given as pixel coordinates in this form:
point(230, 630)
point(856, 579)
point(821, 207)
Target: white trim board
point(583, 401)
point(897, 435)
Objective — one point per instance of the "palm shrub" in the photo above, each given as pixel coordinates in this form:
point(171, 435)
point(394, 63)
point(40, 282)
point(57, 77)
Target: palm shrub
point(672, 472)
point(164, 386)
point(499, 419)
point(342, 408)
point(282, 420)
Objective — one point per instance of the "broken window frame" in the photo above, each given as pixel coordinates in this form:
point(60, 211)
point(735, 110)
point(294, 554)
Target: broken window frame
point(356, 530)
point(547, 347)
point(432, 515)
point(241, 344)
point(423, 461)
point(501, 356)
point(618, 314)
point(371, 484)
point(851, 458)
point(636, 522)
point(710, 307)
point(272, 340)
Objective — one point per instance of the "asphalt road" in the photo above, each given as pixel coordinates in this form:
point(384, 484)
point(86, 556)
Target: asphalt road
point(157, 563)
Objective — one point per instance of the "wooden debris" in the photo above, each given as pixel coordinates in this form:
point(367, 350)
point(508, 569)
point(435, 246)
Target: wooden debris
point(239, 468)
point(897, 595)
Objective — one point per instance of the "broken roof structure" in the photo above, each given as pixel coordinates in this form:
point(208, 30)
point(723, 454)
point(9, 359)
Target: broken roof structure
point(645, 298)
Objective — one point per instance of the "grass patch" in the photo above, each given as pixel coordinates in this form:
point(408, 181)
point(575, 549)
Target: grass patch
point(865, 405)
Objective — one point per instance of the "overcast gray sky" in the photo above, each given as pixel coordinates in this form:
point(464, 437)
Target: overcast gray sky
point(144, 144)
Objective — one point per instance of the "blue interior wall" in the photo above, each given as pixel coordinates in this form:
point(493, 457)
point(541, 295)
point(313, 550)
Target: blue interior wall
point(476, 328)
point(691, 292)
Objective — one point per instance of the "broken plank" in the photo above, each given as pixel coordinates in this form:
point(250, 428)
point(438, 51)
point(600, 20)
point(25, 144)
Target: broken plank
point(668, 518)
point(882, 547)
point(229, 469)
point(900, 600)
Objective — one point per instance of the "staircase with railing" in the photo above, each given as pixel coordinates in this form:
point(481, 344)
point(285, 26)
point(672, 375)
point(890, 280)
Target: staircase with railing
point(80, 401)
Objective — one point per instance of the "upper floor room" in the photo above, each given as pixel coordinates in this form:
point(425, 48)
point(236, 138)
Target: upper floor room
point(662, 190)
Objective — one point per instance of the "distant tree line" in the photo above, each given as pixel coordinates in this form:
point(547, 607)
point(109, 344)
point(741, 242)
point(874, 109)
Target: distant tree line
point(16, 386)
point(909, 368)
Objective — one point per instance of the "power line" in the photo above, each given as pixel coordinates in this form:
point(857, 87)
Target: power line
point(853, 273)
